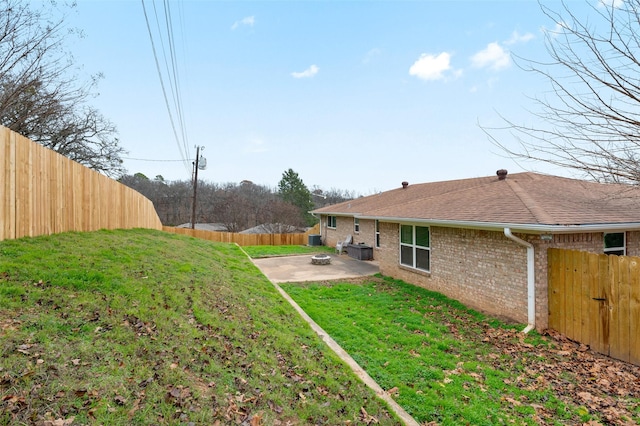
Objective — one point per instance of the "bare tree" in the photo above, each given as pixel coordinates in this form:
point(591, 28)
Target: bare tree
point(591, 116)
point(172, 200)
point(322, 198)
point(40, 97)
point(231, 209)
point(279, 217)
point(236, 207)
point(246, 205)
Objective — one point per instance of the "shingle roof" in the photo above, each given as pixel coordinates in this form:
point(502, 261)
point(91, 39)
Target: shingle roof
point(522, 198)
point(205, 226)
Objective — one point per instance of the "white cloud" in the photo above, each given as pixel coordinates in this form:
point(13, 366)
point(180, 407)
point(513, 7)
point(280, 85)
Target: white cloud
point(249, 21)
point(255, 145)
point(608, 3)
point(308, 73)
point(371, 55)
point(493, 56)
point(519, 38)
point(432, 67)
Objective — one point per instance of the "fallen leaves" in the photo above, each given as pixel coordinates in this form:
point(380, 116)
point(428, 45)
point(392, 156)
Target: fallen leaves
point(599, 385)
point(179, 396)
point(394, 391)
point(256, 420)
point(9, 325)
point(142, 328)
point(239, 407)
point(512, 401)
point(13, 403)
point(25, 349)
point(58, 422)
point(366, 417)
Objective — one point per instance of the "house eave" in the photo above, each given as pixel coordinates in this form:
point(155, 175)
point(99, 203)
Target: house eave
point(317, 213)
point(525, 228)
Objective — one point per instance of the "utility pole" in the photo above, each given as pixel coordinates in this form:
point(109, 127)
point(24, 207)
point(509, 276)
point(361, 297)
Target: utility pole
point(196, 166)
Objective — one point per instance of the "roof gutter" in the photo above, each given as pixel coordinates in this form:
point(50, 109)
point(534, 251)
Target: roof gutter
point(531, 280)
point(518, 227)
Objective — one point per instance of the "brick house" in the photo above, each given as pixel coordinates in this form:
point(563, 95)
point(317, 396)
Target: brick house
point(484, 241)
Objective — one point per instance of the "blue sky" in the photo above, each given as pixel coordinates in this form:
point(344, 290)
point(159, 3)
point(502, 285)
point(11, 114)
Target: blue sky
point(357, 95)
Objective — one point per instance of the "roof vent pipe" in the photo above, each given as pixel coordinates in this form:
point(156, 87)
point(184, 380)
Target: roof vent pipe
point(405, 184)
point(502, 174)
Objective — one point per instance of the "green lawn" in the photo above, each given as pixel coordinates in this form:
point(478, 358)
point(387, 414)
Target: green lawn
point(447, 364)
point(270, 251)
point(145, 327)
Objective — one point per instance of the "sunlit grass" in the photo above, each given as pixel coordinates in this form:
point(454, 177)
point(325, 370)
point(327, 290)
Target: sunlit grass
point(144, 327)
point(268, 251)
point(424, 349)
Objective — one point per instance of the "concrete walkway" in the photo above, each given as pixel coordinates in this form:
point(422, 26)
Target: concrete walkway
point(300, 269)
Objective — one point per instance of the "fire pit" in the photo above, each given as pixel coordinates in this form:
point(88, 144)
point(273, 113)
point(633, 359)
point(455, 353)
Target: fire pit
point(320, 259)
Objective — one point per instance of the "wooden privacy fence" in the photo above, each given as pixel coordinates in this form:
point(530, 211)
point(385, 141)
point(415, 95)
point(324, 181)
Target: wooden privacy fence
point(595, 299)
point(43, 192)
point(246, 239)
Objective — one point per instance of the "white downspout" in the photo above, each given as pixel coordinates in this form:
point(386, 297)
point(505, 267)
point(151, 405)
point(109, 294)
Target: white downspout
point(531, 279)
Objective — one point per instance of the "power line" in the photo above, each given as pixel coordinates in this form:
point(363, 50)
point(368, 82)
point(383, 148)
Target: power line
point(175, 72)
point(147, 159)
point(182, 146)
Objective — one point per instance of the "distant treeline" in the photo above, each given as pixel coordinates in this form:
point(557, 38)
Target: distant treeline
point(235, 206)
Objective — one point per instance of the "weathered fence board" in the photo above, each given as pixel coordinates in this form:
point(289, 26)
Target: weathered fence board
point(634, 314)
point(556, 292)
point(595, 299)
point(42, 192)
point(246, 239)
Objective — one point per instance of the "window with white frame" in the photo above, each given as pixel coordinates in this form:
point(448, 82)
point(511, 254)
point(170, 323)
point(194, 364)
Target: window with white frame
point(415, 249)
point(331, 222)
point(614, 243)
point(377, 236)
point(356, 225)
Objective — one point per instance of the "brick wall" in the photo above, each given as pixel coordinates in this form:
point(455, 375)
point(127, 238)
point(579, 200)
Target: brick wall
point(633, 243)
point(482, 269)
point(485, 270)
point(344, 227)
point(331, 236)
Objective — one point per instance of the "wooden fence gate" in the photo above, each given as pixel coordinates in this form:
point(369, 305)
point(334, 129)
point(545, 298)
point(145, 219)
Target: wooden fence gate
point(595, 299)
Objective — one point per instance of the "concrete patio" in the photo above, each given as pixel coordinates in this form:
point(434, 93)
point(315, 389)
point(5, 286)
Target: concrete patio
point(300, 268)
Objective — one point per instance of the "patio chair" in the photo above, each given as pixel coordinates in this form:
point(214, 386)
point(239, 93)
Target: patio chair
point(342, 245)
